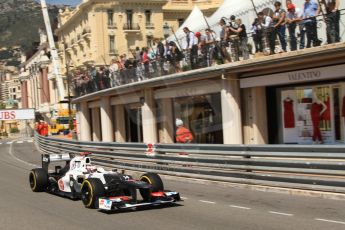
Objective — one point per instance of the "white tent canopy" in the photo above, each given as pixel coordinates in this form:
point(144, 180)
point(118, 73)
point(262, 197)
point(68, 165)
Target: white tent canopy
point(194, 20)
point(243, 9)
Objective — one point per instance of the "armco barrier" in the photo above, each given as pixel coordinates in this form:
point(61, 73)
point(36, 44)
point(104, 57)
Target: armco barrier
point(309, 167)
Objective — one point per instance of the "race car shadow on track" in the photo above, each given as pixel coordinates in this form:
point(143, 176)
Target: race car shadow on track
point(139, 209)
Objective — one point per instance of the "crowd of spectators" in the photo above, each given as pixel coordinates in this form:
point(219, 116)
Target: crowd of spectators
point(199, 50)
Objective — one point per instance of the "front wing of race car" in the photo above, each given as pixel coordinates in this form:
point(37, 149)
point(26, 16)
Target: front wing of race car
point(125, 202)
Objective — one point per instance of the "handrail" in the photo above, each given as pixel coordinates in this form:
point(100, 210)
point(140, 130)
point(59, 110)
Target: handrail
point(308, 167)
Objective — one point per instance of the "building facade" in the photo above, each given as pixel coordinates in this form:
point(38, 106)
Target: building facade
point(97, 31)
point(176, 11)
point(10, 88)
point(38, 83)
point(10, 97)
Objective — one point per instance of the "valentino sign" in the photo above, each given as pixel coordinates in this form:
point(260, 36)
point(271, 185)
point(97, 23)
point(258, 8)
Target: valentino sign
point(302, 76)
point(323, 73)
point(17, 114)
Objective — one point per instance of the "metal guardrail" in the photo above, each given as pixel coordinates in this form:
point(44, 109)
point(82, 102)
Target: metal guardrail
point(309, 167)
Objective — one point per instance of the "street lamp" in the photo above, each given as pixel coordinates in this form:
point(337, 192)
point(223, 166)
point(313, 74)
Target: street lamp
point(166, 30)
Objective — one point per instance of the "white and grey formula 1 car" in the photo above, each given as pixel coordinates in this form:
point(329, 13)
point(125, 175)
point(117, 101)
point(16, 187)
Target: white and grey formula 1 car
point(96, 187)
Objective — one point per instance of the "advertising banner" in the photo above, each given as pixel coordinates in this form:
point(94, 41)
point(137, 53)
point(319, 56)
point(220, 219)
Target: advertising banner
point(17, 114)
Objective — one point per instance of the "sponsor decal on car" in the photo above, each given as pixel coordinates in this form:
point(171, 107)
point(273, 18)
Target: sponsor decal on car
point(105, 204)
point(61, 185)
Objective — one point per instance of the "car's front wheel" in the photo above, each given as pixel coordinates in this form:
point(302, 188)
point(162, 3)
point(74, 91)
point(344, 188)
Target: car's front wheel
point(155, 181)
point(91, 190)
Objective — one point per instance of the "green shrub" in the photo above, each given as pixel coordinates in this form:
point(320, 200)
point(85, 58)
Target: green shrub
point(71, 125)
point(14, 130)
point(186, 67)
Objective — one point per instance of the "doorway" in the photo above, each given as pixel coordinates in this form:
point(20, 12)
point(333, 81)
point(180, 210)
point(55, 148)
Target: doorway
point(134, 130)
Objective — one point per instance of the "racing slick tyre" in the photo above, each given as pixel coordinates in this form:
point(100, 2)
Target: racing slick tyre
point(91, 190)
point(38, 179)
point(154, 180)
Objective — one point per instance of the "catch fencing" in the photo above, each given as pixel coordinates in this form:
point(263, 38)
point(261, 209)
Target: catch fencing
point(307, 167)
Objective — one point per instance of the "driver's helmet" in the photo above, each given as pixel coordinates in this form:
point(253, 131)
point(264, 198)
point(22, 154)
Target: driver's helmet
point(91, 168)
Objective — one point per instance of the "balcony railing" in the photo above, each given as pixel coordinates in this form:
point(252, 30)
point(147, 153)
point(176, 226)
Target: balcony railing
point(113, 52)
point(86, 31)
point(149, 25)
point(112, 26)
point(133, 26)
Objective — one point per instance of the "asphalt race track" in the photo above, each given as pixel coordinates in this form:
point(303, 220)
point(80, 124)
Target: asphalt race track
point(204, 206)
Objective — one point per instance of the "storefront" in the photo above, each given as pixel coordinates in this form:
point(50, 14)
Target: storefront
point(312, 113)
point(202, 115)
point(306, 106)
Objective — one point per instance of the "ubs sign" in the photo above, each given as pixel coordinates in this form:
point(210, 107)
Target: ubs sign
point(17, 114)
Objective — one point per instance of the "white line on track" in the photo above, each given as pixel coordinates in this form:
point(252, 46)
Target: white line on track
point(10, 142)
point(240, 207)
point(281, 213)
point(30, 141)
point(206, 201)
point(20, 142)
point(331, 221)
point(184, 198)
point(0, 143)
point(10, 151)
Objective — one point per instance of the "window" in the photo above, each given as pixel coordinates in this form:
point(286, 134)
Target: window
point(112, 44)
point(110, 17)
point(148, 17)
point(129, 14)
point(180, 21)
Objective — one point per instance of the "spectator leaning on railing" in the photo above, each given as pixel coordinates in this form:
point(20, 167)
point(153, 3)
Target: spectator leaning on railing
point(294, 18)
point(202, 57)
point(174, 56)
point(160, 55)
point(210, 41)
point(224, 43)
point(146, 62)
point(310, 11)
point(332, 20)
point(242, 34)
point(267, 25)
point(279, 24)
point(233, 38)
point(256, 30)
point(191, 47)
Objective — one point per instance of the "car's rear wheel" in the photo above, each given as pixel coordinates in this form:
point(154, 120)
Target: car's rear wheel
point(155, 181)
point(91, 190)
point(38, 179)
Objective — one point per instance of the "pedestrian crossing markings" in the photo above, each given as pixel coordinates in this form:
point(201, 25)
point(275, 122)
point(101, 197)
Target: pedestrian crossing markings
point(16, 142)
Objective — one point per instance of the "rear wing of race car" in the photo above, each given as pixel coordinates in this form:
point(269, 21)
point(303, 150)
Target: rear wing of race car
point(47, 158)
